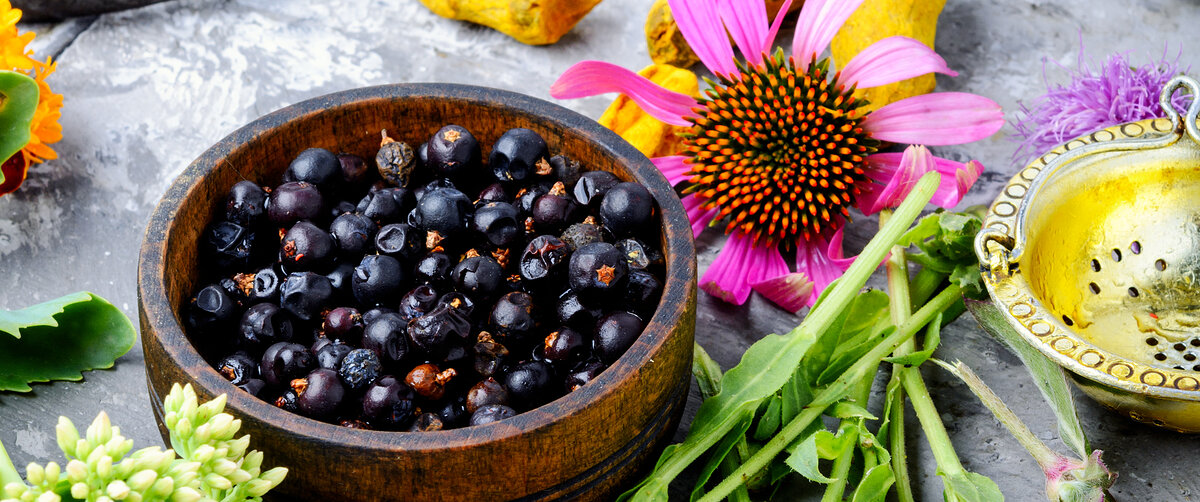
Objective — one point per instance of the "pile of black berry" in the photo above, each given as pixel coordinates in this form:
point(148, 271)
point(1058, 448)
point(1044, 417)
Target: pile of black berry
point(380, 296)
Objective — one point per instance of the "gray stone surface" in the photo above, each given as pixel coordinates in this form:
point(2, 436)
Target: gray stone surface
point(148, 90)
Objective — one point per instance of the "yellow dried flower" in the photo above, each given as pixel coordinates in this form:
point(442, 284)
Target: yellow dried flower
point(878, 19)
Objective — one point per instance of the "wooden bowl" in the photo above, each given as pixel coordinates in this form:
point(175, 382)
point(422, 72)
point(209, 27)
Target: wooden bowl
point(586, 445)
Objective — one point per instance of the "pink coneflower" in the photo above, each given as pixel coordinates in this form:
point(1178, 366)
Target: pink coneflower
point(1115, 94)
point(778, 150)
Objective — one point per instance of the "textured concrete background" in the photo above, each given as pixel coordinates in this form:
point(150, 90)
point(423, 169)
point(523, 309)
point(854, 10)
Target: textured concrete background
point(148, 90)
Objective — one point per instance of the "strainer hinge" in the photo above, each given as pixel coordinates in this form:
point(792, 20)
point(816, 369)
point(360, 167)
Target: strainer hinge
point(993, 247)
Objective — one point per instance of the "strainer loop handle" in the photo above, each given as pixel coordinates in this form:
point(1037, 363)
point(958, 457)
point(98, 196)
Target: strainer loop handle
point(999, 263)
point(1193, 111)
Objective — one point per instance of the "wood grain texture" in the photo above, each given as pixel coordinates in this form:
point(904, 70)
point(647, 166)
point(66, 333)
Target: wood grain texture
point(45, 10)
point(585, 445)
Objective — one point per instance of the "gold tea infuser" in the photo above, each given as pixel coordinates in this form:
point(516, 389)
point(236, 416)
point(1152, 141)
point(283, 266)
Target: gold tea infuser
point(1092, 253)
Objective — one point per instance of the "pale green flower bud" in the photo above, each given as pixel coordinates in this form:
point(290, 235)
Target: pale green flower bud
point(204, 453)
point(118, 490)
point(80, 490)
point(118, 446)
point(104, 498)
point(67, 436)
point(216, 481)
point(239, 476)
point(174, 398)
point(203, 434)
point(53, 471)
point(83, 448)
point(104, 467)
point(14, 489)
point(77, 472)
point(134, 497)
point(183, 429)
point(101, 429)
point(221, 426)
point(98, 453)
point(253, 460)
point(34, 474)
point(211, 408)
point(140, 481)
point(224, 467)
point(238, 447)
point(185, 494)
point(49, 497)
point(275, 476)
point(170, 418)
point(161, 488)
point(258, 487)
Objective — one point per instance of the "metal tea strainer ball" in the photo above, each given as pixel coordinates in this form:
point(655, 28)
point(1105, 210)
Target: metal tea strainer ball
point(1092, 253)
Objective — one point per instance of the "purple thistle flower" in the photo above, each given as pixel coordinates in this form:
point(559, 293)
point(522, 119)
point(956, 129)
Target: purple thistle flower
point(1117, 93)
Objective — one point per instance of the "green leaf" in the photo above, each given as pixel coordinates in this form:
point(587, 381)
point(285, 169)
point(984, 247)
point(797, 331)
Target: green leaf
point(719, 453)
point(875, 484)
point(806, 455)
point(971, 487)
point(1048, 376)
point(18, 102)
point(768, 424)
point(846, 409)
point(933, 336)
point(707, 371)
point(59, 339)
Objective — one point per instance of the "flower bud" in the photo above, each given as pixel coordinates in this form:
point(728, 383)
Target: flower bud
point(104, 466)
point(185, 494)
point(140, 481)
point(53, 472)
point(80, 490)
point(211, 408)
point(275, 476)
point(171, 418)
point(67, 436)
point(258, 487)
point(94, 457)
point(216, 481)
point(15, 489)
point(204, 453)
point(34, 474)
point(237, 447)
point(203, 433)
point(253, 460)
point(101, 429)
point(77, 472)
point(118, 490)
point(182, 430)
point(83, 448)
point(161, 488)
point(224, 467)
point(48, 497)
point(239, 476)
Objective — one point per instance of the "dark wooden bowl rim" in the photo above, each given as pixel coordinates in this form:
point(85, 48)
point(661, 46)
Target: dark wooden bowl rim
point(680, 267)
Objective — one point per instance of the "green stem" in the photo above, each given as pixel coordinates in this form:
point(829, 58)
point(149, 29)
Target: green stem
point(931, 423)
point(834, 392)
point(728, 465)
point(8, 471)
point(843, 291)
point(848, 428)
point(900, 308)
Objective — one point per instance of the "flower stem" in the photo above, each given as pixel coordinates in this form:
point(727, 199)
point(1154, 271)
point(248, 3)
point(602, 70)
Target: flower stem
point(832, 393)
point(900, 308)
point(1044, 456)
point(848, 428)
point(8, 471)
point(931, 423)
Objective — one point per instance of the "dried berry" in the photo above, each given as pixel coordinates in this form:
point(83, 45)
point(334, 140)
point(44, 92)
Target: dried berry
point(395, 161)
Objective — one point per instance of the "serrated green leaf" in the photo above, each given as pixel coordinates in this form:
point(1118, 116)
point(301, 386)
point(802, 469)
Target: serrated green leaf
point(875, 484)
point(42, 314)
point(1048, 376)
point(846, 409)
point(76, 333)
point(933, 336)
point(18, 102)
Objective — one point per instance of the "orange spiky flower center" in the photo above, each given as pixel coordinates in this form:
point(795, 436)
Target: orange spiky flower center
point(778, 151)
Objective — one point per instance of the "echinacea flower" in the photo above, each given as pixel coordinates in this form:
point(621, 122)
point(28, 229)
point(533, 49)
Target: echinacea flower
point(778, 149)
point(1118, 93)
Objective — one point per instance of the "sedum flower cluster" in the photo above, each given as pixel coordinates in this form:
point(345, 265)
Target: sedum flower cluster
point(207, 462)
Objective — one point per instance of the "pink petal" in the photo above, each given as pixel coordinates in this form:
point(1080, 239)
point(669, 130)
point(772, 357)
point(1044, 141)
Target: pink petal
point(746, 21)
point(700, 217)
point(941, 118)
point(914, 163)
point(700, 23)
point(589, 78)
point(891, 60)
point(740, 264)
point(957, 179)
point(783, 10)
point(819, 20)
point(822, 262)
point(790, 291)
point(673, 168)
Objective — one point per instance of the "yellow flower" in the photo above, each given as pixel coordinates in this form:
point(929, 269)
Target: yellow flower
point(12, 44)
point(44, 129)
